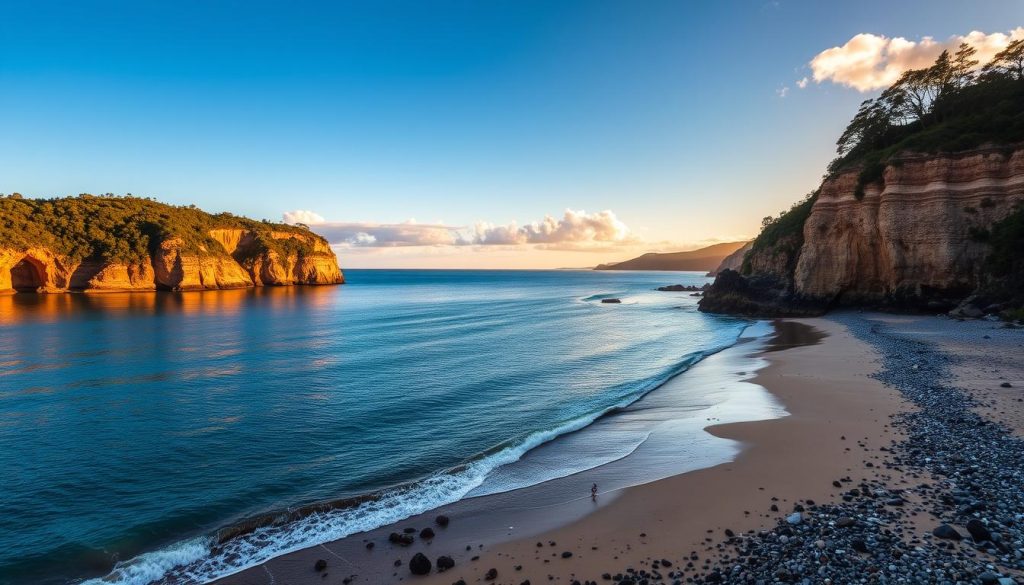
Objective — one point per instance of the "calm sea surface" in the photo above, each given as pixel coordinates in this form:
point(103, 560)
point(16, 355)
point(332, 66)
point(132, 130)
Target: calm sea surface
point(134, 426)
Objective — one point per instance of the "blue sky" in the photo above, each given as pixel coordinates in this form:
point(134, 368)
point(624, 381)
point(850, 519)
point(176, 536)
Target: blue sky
point(669, 114)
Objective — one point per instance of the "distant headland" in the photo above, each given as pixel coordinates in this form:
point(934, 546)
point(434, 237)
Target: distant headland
point(703, 259)
point(107, 243)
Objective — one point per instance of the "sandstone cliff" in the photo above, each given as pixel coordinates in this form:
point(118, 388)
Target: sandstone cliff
point(253, 254)
point(910, 242)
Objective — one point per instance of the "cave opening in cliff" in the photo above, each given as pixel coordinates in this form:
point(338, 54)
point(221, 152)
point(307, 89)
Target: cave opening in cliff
point(26, 276)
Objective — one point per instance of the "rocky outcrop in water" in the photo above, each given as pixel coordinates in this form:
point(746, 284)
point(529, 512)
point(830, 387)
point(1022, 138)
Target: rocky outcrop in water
point(912, 241)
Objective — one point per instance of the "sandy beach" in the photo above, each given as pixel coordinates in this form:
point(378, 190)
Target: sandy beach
point(838, 420)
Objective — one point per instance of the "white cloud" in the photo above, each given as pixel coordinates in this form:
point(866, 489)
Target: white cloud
point(782, 91)
point(868, 61)
point(383, 235)
point(302, 216)
point(575, 229)
point(802, 83)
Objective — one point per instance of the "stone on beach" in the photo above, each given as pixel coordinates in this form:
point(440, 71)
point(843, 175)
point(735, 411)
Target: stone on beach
point(400, 539)
point(947, 532)
point(419, 565)
point(979, 532)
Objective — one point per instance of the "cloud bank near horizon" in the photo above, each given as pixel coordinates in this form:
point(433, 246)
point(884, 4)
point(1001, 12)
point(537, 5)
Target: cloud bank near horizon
point(869, 62)
point(575, 230)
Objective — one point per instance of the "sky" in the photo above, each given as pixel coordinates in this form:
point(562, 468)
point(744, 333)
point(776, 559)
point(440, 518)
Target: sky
point(464, 134)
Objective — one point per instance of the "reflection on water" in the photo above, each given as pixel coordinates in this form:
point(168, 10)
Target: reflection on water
point(18, 308)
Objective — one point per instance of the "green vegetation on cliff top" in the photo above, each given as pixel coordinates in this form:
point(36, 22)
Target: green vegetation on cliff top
point(128, 229)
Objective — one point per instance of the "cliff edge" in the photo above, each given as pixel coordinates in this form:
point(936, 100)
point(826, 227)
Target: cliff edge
point(106, 243)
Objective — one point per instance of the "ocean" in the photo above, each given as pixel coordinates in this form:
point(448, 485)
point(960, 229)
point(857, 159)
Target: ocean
point(137, 430)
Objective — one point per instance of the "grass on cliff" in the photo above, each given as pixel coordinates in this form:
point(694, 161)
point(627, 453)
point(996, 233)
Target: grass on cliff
point(125, 229)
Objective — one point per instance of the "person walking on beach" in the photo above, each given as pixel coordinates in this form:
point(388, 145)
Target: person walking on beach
point(593, 492)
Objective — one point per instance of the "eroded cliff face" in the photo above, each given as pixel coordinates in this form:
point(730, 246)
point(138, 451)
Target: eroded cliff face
point(242, 262)
point(910, 242)
point(909, 238)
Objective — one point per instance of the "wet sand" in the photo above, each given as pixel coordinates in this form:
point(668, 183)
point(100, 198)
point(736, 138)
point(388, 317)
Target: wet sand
point(838, 417)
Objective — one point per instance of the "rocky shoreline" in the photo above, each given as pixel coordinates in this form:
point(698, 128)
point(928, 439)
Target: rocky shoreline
point(952, 463)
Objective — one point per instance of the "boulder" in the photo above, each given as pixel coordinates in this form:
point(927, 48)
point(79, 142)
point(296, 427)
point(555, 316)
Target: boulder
point(947, 532)
point(444, 563)
point(420, 564)
point(979, 532)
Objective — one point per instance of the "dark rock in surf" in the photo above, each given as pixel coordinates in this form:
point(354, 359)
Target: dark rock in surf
point(320, 565)
point(427, 533)
point(442, 521)
point(611, 301)
point(444, 563)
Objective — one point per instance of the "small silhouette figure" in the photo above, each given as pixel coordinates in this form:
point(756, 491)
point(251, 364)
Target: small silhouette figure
point(593, 492)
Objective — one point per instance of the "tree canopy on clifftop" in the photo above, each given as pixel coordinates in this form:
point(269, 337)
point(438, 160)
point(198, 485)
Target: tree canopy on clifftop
point(948, 107)
point(112, 228)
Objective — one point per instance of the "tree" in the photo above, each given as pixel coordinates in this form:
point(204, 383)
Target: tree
point(871, 122)
point(962, 73)
point(1009, 62)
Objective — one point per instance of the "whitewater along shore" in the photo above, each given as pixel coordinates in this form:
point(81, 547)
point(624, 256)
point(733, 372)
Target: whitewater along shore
point(858, 465)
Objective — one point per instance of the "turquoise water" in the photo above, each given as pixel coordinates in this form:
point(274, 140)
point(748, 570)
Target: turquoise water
point(134, 426)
